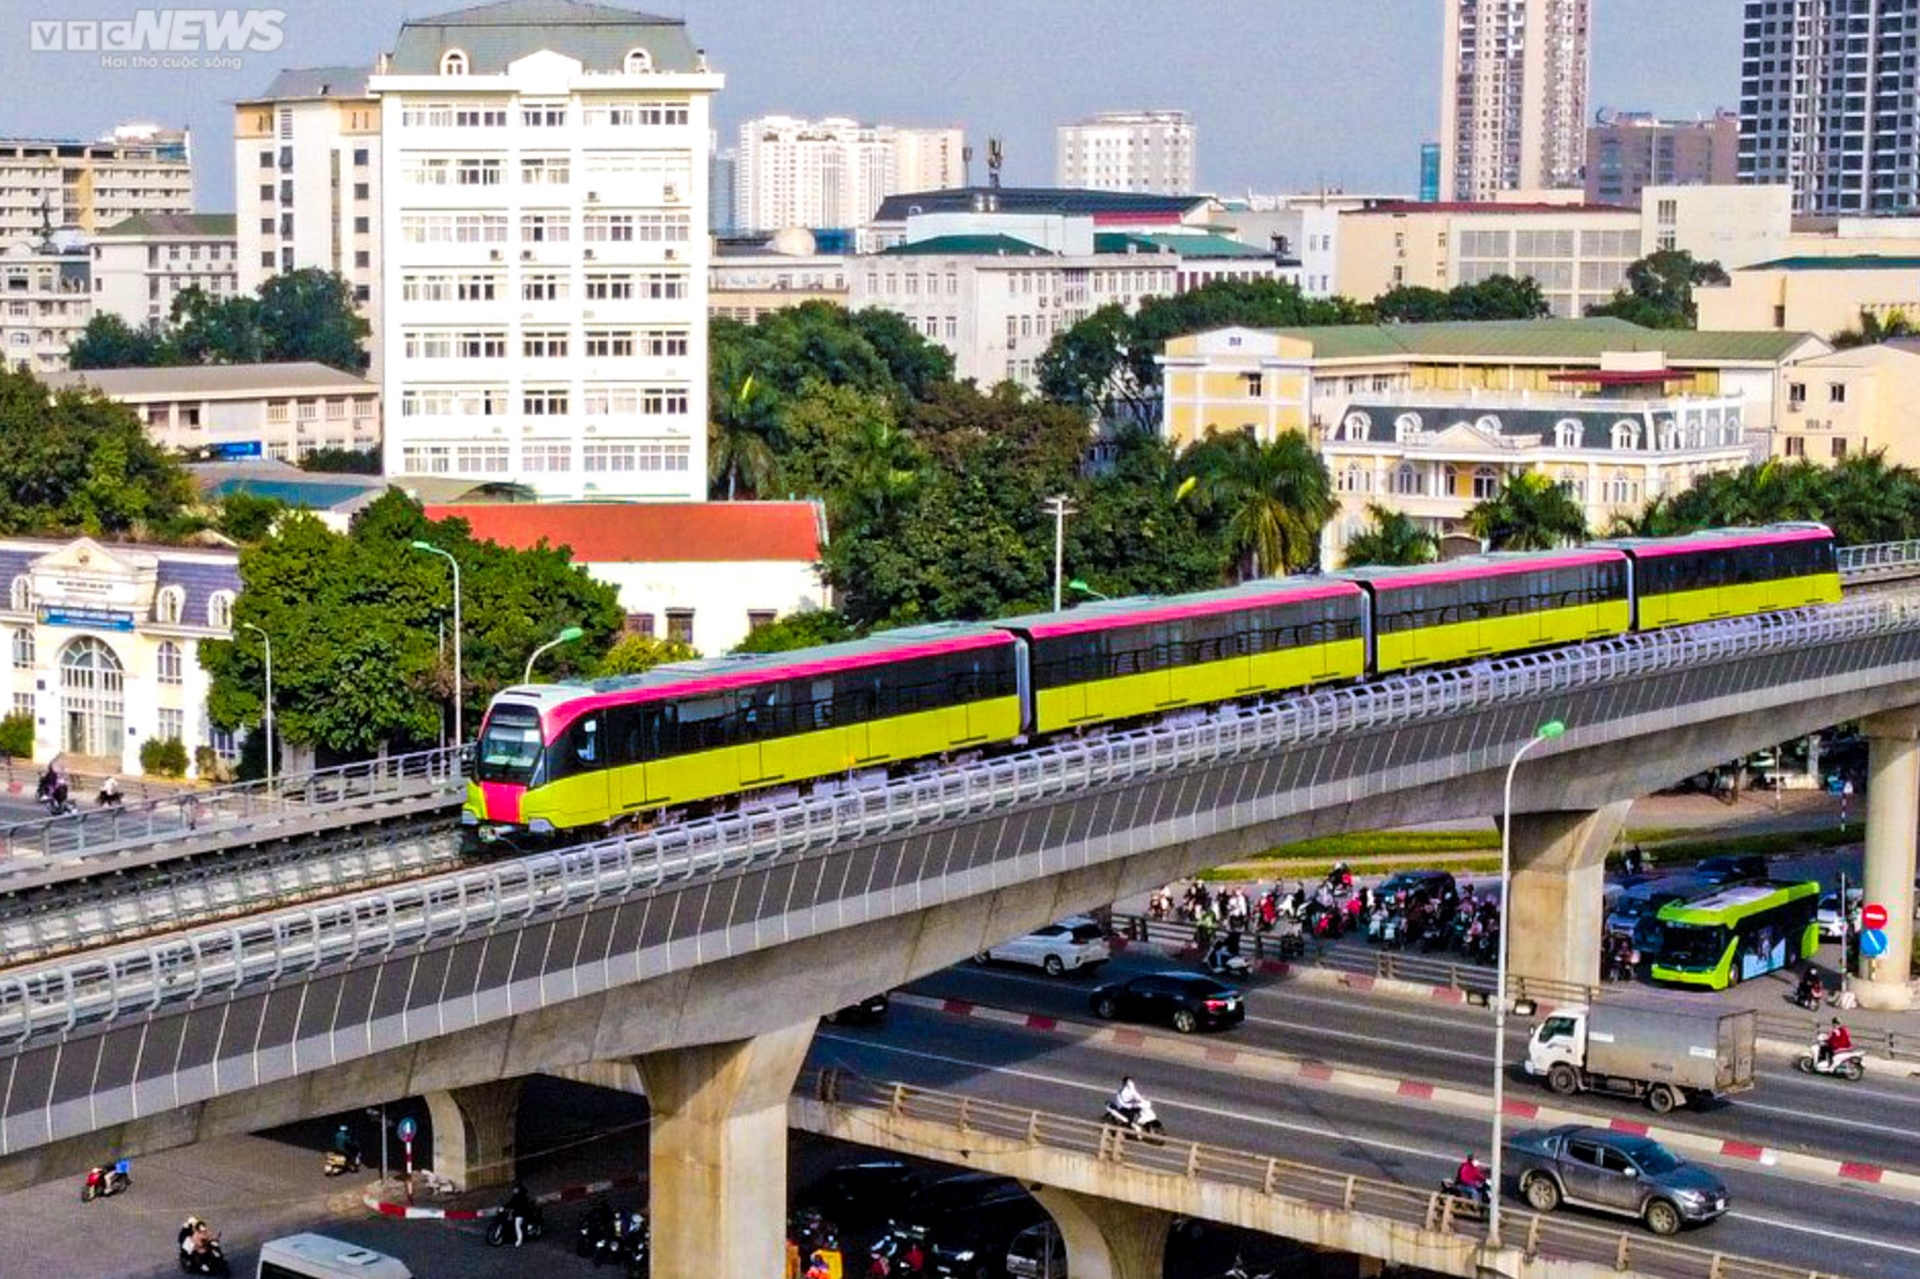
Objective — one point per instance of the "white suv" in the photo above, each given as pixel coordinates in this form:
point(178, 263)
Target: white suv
point(1067, 946)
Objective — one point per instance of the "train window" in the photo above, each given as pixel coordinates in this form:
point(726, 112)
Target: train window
point(821, 703)
point(582, 747)
point(509, 745)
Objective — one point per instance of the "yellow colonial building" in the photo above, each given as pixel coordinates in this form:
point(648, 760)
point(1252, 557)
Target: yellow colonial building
point(1845, 403)
point(1428, 419)
point(1816, 294)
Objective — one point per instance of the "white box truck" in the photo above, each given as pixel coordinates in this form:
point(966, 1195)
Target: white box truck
point(318, 1257)
point(1671, 1056)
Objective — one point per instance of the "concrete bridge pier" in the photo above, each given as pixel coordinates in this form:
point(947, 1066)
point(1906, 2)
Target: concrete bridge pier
point(1557, 912)
point(473, 1132)
point(718, 1152)
point(1106, 1238)
point(1893, 824)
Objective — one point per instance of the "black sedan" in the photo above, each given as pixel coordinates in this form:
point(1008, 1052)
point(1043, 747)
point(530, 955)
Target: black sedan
point(1185, 1001)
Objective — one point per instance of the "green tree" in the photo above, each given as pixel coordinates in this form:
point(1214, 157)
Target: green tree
point(1872, 330)
point(635, 654)
point(163, 757)
point(807, 629)
point(1268, 501)
point(16, 736)
point(739, 455)
point(79, 463)
point(1391, 539)
point(1132, 534)
point(358, 621)
point(1659, 290)
point(845, 445)
point(109, 342)
point(248, 517)
point(309, 314)
point(203, 329)
point(1498, 297)
point(1529, 513)
point(915, 365)
point(333, 461)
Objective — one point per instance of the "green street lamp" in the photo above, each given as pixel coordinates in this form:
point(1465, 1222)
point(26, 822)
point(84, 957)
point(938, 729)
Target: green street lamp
point(1080, 587)
point(459, 693)
point(567, 636)
point(1545, 733)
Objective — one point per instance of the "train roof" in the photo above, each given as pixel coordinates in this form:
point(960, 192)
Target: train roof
point(712, 674)
point(1718, 539)
point(1493, 564)
point(1137, 610)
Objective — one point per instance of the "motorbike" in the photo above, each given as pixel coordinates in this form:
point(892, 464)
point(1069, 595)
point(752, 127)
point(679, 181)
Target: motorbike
point(1471, 1199)
point(1138, 1122)
point(337, 1164)
point(1222, 962)
point(1810, 994)
point(1849, 1064)
point(1289, 940)
point(1238, 1270)
point(210, 1260)
point(500, 1230)
point(109, 797)
point(106, 1179)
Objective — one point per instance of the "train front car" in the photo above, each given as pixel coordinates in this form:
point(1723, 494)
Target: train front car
point(1486, 605)
point(1730, 572)
point(1117, 660)
point(623, 750)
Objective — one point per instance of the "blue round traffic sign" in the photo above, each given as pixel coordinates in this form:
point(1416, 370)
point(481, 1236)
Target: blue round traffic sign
point(1873, 943)
point(408, 1129)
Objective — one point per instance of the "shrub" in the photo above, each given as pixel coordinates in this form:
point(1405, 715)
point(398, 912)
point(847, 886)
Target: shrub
point(16, 736)
point(166, 758)
point(209, 766)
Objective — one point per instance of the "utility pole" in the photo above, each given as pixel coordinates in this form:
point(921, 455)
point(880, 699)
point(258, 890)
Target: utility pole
point(1059, 507)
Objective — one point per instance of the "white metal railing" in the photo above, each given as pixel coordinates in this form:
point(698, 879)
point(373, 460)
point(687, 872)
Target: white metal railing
point(1879, 560)
point(91, 831)
point(60, 997)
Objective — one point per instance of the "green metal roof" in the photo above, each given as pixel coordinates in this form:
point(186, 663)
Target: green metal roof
point(1847, 262)
point(969, 246)
point(173, 224)
point(1187, 246)
point(1581, 339)
point(493, 36)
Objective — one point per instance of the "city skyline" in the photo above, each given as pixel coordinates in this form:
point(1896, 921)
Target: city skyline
point(1360, 129)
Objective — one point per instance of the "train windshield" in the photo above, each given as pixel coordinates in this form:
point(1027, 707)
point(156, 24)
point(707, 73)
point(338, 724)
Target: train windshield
point(509, 745)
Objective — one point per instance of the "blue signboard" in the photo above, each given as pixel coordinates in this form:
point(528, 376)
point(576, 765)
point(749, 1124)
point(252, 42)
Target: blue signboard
point(93, 619)
point(237, 449)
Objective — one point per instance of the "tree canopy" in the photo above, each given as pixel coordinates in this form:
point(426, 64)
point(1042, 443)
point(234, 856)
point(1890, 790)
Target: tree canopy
point(1266, 502)
point(1861, 498)
point(1498, 297)
point(1390, 539)
point(1529, 513)
point(79, 463)
point(356, 621)
point(1659, 290)
point(298, 315)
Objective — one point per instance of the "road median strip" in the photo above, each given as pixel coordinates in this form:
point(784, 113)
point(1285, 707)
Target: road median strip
point(1263, 1063)
point(424, 1212)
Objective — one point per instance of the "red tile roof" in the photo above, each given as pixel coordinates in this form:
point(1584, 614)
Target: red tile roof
point(651, 532)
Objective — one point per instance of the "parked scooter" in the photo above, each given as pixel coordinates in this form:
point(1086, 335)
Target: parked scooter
point(1849, 1064)
point(1138, 1122)
point(107, 1179)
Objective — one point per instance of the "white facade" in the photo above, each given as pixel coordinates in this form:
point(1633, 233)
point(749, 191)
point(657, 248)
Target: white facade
point(1735, 226)
point(833, 173)
point(306, 166)
point(280, 411)
point(142, 264)
point(103, 646)
point(544, 252)
point(138, 168)
point(45, 303)
point(1513, 96)
point(1151, 151)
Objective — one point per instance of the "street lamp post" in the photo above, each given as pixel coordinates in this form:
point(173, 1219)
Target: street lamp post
point(1058, 507)
point(459, 692)
point(1081, 588)
point(567, 636)
point(1545, 733)
point(266, 642)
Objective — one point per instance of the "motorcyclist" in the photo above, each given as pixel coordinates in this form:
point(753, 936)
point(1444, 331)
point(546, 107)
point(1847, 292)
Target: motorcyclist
point(345, 1146)
point(1834, 1042)
point(110, 792)
point(1129, 1100)
point(1471, 1178)
point(518, 1207)
point(1811, 990)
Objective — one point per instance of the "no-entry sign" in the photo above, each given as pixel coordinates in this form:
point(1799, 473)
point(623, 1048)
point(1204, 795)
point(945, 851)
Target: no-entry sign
point(1873, 915)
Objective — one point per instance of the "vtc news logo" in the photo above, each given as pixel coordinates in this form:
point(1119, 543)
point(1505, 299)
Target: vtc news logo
point(151, 31)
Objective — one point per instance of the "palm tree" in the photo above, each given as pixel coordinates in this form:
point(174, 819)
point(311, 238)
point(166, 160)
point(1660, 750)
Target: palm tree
point(1660, 517)
point(877, 467)
point(1529, 513)
point(738, 448)
point(1868, 501)
point(1393, 539)
point(1270, 501)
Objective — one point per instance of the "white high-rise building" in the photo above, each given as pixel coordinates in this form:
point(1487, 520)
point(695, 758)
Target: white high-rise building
point(1147, 151)
point(545, 250)
point(138, 168)
point(306, 176)
point(833, 173)
point(1827, 103)
point(141, 265)
point(1513, 96)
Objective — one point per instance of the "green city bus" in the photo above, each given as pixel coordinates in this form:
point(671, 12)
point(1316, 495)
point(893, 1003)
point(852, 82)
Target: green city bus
point(1741, 931)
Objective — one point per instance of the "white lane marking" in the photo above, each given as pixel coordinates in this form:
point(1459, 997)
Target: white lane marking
point(1824, 1232)
point(1423, 1050)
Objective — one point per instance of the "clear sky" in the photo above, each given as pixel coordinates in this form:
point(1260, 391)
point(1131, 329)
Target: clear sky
point(1287, 94)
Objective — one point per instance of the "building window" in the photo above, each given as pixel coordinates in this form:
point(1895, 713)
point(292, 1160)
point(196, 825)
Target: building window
point(169, 666)
point(680, 625)
point(1566, 433)
point(1838, 444)
point(1836, 392)
point(23, 654)
point(92, 703)
point(225, 745)
point(169, 604)
point(1255, 385)
point(1796, 393)
point(640, 624)
point(1626, 435)
point(173, 725)
point(220, 610)
point(20, 596)
point(759, 617)
point(638, 62)
point(453, 62)
point(359, 157)
point(23, 704)
point(1486, 483)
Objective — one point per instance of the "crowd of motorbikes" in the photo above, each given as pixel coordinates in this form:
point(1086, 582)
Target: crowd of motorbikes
point(55, 792)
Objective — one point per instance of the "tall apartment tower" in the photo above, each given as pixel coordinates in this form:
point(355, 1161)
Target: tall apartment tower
point(833, 173)
point(306, 175)
point(544, 250)
point(1827, 103)
point(1631, 150)
point(138, 168)
point(1147, 151)
point(1513, 96)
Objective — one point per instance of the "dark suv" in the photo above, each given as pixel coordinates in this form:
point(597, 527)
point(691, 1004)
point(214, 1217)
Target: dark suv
point(1434, 886)
point(1731, 868)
